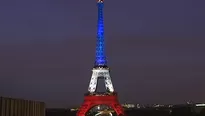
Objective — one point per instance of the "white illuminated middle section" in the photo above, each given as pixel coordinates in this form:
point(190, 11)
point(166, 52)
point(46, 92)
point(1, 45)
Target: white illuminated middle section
point(100, 73)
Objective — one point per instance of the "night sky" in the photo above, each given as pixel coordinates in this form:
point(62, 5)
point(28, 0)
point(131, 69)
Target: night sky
point(155, 49)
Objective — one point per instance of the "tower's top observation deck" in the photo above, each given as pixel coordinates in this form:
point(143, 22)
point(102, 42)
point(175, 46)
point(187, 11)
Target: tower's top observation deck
point(100, 1)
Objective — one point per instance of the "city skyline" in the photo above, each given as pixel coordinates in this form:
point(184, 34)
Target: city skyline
point(47, 50)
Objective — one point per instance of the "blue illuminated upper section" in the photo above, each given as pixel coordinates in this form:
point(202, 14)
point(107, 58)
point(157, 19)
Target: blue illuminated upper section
point(100, 59)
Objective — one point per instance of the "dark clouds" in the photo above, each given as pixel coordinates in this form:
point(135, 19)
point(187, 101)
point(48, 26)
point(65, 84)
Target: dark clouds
point(156, 47)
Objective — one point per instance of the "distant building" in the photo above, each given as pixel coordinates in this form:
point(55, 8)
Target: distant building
point(200, 107)
point(21, 107)
point(128, 105)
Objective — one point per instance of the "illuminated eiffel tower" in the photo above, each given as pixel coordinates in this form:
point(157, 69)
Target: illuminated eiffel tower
point(100, 71)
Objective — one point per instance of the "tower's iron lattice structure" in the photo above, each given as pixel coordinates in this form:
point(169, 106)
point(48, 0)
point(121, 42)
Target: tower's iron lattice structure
point(100, 70)
point(100, 59)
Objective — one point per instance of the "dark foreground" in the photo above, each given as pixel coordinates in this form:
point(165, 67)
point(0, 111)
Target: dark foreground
point(180, 111)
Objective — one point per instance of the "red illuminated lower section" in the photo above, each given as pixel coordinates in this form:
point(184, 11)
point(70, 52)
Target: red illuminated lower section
point(93, 100)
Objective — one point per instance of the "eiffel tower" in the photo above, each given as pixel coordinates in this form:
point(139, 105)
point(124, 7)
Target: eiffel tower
point(100, 71)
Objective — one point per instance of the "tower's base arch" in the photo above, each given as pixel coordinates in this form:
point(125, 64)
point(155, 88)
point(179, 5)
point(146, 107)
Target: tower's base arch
point(91, 101)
